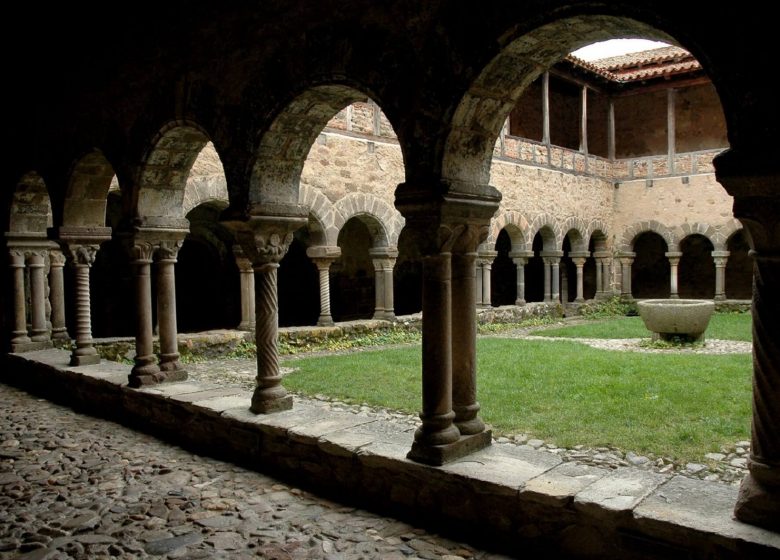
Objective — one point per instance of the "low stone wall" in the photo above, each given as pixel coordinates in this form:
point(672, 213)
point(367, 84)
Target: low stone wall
point(214, 344)
point(525, 502)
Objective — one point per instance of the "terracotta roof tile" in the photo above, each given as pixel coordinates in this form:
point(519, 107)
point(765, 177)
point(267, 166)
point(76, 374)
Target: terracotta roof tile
point(655, 63)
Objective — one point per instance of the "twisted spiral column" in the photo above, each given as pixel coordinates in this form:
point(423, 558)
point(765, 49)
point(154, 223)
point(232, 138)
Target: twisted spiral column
point(84, 353)
point(759, 496)
point(323, 269)
point(270, 395)
point(20, 305)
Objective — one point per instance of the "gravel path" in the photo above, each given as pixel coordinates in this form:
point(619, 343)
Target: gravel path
point(72, 486)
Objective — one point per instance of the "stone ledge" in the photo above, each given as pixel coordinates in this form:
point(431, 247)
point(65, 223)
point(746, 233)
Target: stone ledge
point(521, 501)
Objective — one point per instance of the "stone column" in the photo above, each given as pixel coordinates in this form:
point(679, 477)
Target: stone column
point(606, 276)
point(265, 240)
point(555, 273)
point(551, 259)
point(720, 258)
point(520, 258)
point(486, 258)
point(35, 263)
point(247, 278)
point(602, 274)
point(674, 260)
point(383, 259)
point(324, 256)
point(626, 260)
point(57, 295)
point(145, 371)
point(464, 330)
point(759, 496)
point(448, 230)
point(478, 298)
point(82, 257)
point(19, 333)
point(547, 280)
point(166, 254)
point(579, 262)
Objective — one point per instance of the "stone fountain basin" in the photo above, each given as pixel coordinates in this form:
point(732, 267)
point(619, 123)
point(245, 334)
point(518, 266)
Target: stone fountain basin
point(668, 319)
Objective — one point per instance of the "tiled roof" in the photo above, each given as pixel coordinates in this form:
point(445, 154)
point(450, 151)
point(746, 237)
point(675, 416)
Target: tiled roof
point(655, 63)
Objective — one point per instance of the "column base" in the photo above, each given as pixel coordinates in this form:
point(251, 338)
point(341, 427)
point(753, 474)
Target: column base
point(674, 296)
point(384, 316)
point(325, 321)
point(579, 300)
point(84, 359)
point(144, 380)
point(758, 504)
point(245, 327)
point(179, 374)
point(31, 346)
point(438, 455)
point(60, 334)
point(721, 297)
point(271, 406)
point(520, 302)
point(41, 337)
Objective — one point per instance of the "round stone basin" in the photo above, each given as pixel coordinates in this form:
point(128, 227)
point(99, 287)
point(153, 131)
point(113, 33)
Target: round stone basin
point(670, 319)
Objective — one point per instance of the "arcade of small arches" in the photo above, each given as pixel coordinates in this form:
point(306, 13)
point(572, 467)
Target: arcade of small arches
point(195, 260)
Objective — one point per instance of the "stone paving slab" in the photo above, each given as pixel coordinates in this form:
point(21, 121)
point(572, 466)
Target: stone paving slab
point(700, 505)
point(208, 394)
point(175, 389)
point(559, 485)
point(620, 491)
point(228, 402)
point(504, 469)
point(311, 433)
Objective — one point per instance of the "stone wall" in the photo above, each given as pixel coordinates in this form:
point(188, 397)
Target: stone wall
point(674, 203)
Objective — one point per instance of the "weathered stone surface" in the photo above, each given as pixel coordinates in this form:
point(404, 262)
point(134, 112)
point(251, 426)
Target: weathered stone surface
point(166, 546)
point(504, 470)
point(705, 507)
point(620, 491)
point(559, 485)
point(313, 431)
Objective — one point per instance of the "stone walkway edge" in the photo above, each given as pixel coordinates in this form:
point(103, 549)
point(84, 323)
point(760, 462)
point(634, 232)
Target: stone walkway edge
point(519, 499)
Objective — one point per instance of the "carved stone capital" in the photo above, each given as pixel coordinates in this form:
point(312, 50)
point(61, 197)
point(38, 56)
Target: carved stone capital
point(265, 239)
point(168, 249)
point(56, 258)
point(83, 255)
point(446, 220)
point(142, 252)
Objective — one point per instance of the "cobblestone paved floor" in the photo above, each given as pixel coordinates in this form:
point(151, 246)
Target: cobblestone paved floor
point(72, 486)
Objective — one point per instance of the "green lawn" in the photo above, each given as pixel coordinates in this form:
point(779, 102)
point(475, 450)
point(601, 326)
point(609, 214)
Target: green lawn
point(674, 405)
point(724, 326)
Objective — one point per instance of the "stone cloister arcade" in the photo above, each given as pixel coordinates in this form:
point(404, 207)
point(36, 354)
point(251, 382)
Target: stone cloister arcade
point(64, 165)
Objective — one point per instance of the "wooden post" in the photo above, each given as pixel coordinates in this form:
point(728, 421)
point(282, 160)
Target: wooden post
point(611, 130)
point(546, 108)
point(584, 120)
point(670, 128)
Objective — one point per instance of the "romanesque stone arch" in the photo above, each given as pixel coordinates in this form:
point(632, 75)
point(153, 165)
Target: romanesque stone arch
point(483, 109)
point(631, 233)
point(388, 220)
point(206, 181)
point(722, 235)
point(550, 230)
point(322, 211)
point(600, 230)
point(576, 229)
point(516, 226)
point(87, 191)
point(284, 146)
point(697, 228)
point(166, 167)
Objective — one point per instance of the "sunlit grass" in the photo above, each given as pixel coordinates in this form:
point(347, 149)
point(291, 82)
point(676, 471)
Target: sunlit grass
point(723, 326)
point(675, 405)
